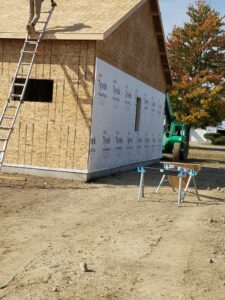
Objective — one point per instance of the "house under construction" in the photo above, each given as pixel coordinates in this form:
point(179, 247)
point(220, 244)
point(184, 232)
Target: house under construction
point(95, 98)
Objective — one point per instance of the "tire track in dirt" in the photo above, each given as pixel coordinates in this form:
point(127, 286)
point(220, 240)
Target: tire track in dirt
point(167, 263)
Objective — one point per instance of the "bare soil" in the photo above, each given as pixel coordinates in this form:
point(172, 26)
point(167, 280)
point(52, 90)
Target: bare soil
point(144, 250)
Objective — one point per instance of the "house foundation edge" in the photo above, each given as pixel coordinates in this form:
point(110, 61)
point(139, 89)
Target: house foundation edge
point(71, 174)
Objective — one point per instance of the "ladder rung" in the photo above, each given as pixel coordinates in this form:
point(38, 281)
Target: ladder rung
point(15, 95)
point(2, 151)
point(25, 63)
point(19, 74)
point(5, 127)
point(12, 106)
point(28, 52)
point(8, 118)
point(19, 84)
point(42, 22)
point(45, 12)
point(3, 139)
point(32, 42)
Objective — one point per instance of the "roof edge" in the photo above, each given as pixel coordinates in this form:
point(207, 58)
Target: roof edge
point(51, 36)
point(158, 24)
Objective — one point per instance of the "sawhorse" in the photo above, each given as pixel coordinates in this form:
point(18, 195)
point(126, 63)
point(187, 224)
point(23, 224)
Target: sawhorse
point(179, 176)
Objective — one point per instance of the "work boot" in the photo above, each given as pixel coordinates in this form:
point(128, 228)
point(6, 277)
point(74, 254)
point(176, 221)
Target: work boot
point(31, 29)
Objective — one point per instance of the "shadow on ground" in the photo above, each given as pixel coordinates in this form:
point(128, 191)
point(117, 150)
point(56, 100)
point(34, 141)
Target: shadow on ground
point(208, 178)
point(211, 176)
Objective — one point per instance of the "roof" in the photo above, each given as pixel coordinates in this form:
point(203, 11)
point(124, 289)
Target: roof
point(72, 19)
point(81, 20)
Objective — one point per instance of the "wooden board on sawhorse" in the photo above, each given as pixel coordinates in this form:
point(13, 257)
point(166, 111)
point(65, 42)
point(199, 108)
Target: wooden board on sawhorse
point(179, 175)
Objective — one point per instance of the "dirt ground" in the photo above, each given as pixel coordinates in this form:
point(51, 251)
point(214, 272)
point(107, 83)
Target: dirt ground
point(144, 250)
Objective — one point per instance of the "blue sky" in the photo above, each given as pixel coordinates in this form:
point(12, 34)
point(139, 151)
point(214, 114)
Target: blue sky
point(174, 11)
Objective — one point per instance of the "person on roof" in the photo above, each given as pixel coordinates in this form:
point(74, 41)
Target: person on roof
point(35, 10)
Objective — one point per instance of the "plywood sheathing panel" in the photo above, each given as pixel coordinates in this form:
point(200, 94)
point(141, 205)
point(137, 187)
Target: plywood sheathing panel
point(53, 134)
point(134, 49)
point(81, 20)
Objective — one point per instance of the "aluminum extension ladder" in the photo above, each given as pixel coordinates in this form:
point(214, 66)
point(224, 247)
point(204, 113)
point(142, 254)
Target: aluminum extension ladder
point(26, 61)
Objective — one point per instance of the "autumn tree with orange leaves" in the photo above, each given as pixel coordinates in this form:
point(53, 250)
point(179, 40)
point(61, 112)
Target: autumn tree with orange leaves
point(197, 58)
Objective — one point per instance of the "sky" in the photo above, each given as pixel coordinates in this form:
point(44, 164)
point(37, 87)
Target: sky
point(174, 11)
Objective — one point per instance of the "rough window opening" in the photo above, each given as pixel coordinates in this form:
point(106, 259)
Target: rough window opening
point(138, 114)
point(38, 90)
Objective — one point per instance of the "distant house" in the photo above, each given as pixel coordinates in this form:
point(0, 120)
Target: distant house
point(95, 99)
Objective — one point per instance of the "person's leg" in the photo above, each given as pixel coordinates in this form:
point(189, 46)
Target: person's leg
point(37, 11)
point(31, 12)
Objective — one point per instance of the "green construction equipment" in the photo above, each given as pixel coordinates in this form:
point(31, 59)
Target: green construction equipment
point(175, 136)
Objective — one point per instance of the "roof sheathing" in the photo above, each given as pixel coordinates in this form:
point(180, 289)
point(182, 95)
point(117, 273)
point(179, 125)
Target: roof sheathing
point(83, 23)
point(72, 19)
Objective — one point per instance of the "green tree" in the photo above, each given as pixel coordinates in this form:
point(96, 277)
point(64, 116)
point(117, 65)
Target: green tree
point(197, 58)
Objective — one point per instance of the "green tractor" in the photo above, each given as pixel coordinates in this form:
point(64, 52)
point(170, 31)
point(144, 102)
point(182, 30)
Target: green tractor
point(176, 135)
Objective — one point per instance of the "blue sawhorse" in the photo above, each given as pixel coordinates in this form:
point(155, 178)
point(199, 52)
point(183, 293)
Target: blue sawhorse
point(178, 176)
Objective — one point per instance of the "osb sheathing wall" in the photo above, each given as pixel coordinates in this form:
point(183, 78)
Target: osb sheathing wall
point(133, 48)
point(56, 134)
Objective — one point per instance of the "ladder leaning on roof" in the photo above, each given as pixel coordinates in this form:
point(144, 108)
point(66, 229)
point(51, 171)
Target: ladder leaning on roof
point(19, 82)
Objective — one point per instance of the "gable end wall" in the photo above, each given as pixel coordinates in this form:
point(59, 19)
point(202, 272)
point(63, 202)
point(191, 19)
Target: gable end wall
point(133, 48)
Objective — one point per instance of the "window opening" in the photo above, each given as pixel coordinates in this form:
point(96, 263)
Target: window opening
point(138, 114)
point(38, 90)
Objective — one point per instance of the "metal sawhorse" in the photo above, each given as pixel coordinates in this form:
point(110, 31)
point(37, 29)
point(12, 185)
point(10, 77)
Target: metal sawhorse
point(179, 175)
